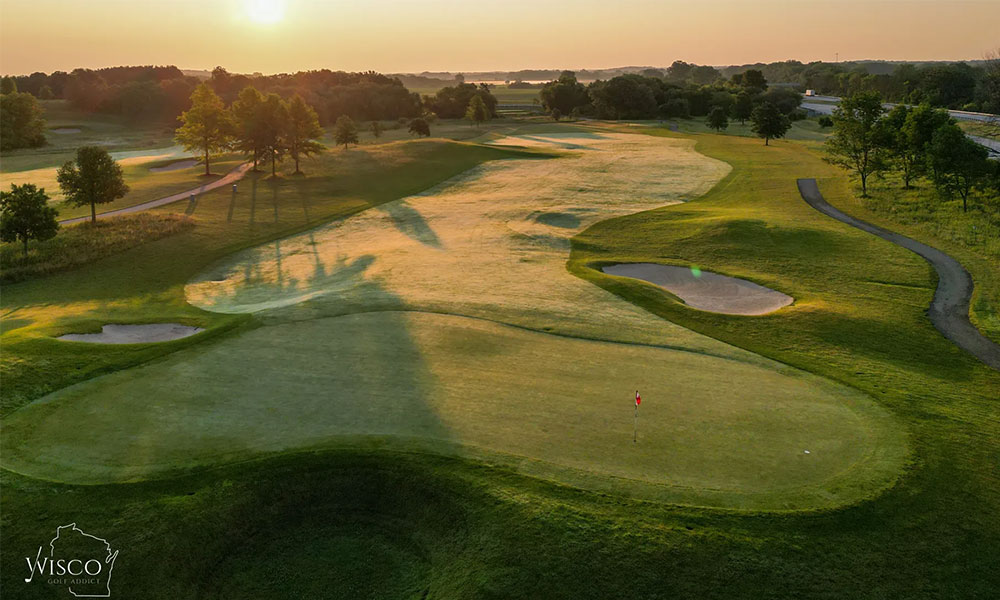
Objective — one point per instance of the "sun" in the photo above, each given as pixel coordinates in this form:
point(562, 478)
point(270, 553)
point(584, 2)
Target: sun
point(265, 12)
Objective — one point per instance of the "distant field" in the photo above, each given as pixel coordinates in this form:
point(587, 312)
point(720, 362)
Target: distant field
point(503, 94)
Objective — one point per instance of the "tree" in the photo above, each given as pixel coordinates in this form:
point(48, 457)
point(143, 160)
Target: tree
point(717, 118)
point(753, 79)
point(910, 141)
point(565, 94)
point(743, 106)
point(208, 126)
point(345, 131)
point(556, 114)
point(302, 130)
point(958, 164)
point(25, 215)
point(273, 126)
point(377, 129)
point(859, 142)
point(8, 85)
point(768, 122)
point(94, 178)
point(21, 124)
point(45, 93)
point(248, 113)
point(476, 111)
point(420, 127)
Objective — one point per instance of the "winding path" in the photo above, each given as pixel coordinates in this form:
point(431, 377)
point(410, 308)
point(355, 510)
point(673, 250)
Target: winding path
point(234, 175)
point(949, 311)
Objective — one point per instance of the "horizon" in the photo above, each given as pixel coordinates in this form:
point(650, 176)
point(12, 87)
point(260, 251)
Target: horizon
point(422, 39)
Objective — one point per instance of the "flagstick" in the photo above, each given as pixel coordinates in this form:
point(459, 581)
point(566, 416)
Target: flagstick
point(635, 424)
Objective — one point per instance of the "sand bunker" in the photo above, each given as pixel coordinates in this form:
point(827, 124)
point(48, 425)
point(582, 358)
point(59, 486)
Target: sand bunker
point(134, 334)
point(174, 166)
point(706, 291)
point(65, 130)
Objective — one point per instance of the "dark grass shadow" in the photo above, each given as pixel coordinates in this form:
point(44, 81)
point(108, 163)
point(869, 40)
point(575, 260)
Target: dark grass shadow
point(410, 222)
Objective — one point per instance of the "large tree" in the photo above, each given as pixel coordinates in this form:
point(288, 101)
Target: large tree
point(859, 142)
point(476, 111)
point(208, 126)
point(345, 131)
point(94, 178)
point(768, 122)
point(302, 130)
point(248, 114)
point(273, 124)
point(25, 215)
point(958, 164)
point(21, 124)
point(909, 132)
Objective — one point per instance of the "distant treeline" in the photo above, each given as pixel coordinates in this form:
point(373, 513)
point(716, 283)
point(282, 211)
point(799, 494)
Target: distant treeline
point(635, 96)
point(153, 92)
point(959, 86)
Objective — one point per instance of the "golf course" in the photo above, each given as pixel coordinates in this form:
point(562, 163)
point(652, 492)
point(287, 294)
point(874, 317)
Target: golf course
point(422, 341)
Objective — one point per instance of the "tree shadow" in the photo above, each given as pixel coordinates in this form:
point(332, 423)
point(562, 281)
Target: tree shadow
point(410, 222)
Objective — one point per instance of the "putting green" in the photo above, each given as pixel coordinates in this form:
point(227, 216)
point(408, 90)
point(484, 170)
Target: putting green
point(430, 323)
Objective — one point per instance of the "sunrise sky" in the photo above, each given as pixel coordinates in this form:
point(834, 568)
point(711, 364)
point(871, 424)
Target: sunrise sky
point(462, 35)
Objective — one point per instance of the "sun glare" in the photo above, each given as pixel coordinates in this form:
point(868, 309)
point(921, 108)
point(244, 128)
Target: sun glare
point(265, 12)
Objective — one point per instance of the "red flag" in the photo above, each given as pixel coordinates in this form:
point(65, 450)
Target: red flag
point(638, 400)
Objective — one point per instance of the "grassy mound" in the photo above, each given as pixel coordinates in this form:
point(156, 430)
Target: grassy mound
point(85, 243)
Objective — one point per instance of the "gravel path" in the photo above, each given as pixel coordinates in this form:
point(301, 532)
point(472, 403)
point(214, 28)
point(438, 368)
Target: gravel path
point(949, 311)
point(230, 177)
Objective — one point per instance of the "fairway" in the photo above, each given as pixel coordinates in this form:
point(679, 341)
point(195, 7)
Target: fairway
point(445, 322)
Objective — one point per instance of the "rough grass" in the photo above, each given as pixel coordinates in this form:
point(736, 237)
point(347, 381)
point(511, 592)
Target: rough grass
point(84, 243)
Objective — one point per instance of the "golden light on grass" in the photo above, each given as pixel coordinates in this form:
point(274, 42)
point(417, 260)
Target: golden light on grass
point(265, 12)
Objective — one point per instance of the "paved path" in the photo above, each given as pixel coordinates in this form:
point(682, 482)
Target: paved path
point(234, 175)
point(949, 311)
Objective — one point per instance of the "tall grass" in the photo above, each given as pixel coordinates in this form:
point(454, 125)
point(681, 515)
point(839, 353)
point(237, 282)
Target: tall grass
point(86, 242)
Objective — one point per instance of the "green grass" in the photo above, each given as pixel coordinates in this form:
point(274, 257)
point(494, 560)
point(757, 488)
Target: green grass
point(121, 288)
point(335, 522)
point(805, 129)
point(83, 243)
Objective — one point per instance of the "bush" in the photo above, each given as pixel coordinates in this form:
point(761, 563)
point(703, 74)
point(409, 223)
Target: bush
point(825, 122)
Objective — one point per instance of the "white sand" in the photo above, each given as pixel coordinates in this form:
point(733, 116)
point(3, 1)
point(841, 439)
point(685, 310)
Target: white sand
point(134, 334)
point(706, 291)
point(65, 130)
point(174, 166)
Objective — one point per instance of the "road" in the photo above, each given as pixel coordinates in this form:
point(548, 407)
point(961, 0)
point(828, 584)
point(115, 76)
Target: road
point(230, 177)
point(949, 310)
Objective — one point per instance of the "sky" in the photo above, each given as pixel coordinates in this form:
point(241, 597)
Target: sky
point(409, 36)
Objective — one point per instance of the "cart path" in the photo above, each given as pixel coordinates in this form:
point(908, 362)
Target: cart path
point(949, 311)
point(230, 177)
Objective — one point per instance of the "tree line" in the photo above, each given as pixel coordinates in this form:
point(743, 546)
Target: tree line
point(914, 142)
point(21, 123)
point(638, 96)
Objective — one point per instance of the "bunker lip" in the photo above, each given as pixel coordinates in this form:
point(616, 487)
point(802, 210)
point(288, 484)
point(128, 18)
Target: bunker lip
point(175, 166)
point(134, 334)
point(704, 290)
point(64, 130)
